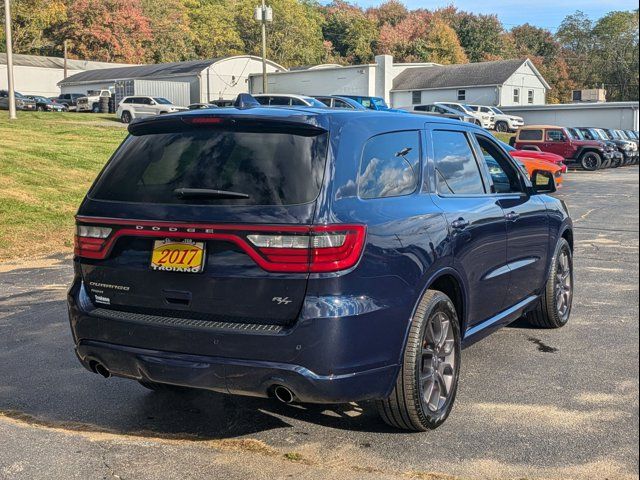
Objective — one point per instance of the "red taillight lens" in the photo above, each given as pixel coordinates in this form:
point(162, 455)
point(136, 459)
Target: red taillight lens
point(91, 241)
point(329, 248)
point(303, 249)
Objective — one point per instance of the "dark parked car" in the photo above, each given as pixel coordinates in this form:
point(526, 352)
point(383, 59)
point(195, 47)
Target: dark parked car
point(442, 111)
point(69, 99)
point(22, 102)
point(313, 255)
point(616, 158)
point(625, 147)
point(44, 104)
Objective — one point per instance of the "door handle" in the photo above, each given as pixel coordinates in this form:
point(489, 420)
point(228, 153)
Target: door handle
point(512, 216)
point(460, 224)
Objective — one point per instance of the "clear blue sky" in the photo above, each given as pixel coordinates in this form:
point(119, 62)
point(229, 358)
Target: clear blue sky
point(542, 13)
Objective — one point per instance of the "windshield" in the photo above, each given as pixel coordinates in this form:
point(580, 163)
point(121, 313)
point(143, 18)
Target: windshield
point(496, 110)
point(621, 134)
point(315, 102)
point(459, 108)
point(270, 168)
point(602, 134)
point(162, 101)
point(574, 134)
point(380, 103)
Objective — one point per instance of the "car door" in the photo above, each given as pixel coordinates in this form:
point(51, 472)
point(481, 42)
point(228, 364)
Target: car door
point(477, 225)
point(555, 141)
point(527, 222)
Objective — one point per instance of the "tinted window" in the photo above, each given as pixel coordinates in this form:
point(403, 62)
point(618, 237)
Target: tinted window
point(297, 101)
point(341, 104)
point(456, 167)
point(272, 168)
point(262, 100)
point(503, 173)
point(326, 101)
point(421, 108)
point(530, 135)
point(280, 101)
point(390, 165)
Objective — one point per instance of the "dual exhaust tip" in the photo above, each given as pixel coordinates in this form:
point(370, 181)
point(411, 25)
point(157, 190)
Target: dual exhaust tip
point(280, 392)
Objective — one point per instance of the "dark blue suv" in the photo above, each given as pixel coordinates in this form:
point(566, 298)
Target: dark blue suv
point(312, 255)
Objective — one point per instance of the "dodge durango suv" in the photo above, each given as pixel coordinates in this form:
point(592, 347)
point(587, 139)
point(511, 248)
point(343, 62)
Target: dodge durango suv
point(313, 255)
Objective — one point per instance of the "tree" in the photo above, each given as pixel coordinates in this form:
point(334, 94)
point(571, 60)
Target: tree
point(294, 36)
point(170, 29)
point(400, 40)
point(107, 30)
point(30, 20)
point(441, 45)
point(352, 33)
point(616, 37)
point(390, 13)
point(530, 40)
point(214, 28)
point(479, 35)
point(575, 35)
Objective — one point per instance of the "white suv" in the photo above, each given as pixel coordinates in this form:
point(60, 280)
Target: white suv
point(485, 120)
point(141, 106)
point(504, 122)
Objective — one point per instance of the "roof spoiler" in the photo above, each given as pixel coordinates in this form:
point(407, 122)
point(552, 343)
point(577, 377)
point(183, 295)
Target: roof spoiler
point(245, 100)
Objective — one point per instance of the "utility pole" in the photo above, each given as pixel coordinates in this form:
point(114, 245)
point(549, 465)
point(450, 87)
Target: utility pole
point(264, 14)
point(7, 32)
point(64, 47)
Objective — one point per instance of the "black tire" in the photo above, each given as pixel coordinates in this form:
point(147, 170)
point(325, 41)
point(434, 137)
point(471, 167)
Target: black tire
point(40, 108)
point(423, 367)
point(163, 387)
point(550, 311)
point(502, 127)
point(606, 163)
point(590, 161)
point(95, 108)
point(125, 117)
point(616, 162)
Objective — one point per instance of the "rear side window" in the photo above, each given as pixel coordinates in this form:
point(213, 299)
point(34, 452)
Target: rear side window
point(530, 135)
point(390, 165)
point(271, 168)
point(457, 171)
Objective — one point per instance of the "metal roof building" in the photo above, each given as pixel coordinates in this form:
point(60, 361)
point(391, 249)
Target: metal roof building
point(210, 79)
point(36, 75)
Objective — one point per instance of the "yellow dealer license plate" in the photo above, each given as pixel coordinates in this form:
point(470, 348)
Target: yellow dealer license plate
point(178, 256)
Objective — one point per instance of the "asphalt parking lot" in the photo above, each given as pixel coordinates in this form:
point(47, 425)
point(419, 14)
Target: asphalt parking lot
point(532, 403)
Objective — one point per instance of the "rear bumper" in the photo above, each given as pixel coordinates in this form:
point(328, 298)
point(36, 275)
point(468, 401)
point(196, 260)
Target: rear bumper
point(327, 359)
point(235, 376)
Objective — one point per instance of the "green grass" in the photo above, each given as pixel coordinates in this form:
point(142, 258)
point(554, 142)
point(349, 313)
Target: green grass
point(503, 136)
point(47, 162)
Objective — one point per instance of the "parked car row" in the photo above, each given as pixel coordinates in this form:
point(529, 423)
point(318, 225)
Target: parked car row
point(481, 115)
point(590, 148)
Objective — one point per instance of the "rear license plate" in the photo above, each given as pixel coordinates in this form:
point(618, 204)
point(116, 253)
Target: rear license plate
point(178, 256)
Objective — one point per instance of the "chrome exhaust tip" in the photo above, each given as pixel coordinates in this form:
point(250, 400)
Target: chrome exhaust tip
point(283, 394)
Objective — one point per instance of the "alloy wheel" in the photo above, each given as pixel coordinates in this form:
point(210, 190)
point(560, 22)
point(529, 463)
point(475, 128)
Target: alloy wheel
point(438, 363)
point(564, 286)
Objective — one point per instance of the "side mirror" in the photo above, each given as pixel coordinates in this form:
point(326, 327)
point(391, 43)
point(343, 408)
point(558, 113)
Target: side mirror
point(543, 182)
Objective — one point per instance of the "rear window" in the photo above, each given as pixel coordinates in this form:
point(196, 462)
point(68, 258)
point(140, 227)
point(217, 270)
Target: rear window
point(271, 168)
point(530, 135)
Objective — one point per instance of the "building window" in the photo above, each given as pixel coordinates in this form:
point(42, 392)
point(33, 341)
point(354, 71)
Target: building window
point(416, 97)
point(462, 95)
point(530, 97)
point(516, 95)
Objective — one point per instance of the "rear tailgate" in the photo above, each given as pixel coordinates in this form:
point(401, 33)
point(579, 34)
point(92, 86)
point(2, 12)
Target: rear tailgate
point(234, 203)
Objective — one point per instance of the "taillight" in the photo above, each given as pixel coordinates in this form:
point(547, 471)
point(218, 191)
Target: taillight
point(327, 248)
point(318, 248)
point(90, 241)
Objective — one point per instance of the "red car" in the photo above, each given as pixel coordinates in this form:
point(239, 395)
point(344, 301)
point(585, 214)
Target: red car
point(537, 155)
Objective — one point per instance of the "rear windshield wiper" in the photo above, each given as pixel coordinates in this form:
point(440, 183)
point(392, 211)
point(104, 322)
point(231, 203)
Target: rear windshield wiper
point(207, 193)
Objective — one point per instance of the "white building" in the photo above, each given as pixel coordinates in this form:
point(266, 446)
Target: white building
point(204, 80)
point(35, 75)
point(373, 79)
point(499, 83)
point(506, 82)
point(622, 115)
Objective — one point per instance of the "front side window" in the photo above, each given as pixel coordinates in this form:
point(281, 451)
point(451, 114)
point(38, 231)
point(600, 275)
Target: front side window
point(416, 97)
point(516, 95)
point(341, 104)
point(457, 171)
point(390, 165)
point(462, 95)
point(555, 136)
point(504, 175)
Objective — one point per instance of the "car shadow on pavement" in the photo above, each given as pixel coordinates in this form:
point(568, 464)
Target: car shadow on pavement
point(41, 382)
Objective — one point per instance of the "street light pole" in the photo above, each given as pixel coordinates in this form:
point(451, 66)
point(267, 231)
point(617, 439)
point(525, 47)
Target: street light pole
point(264, 14)
point(7, 31)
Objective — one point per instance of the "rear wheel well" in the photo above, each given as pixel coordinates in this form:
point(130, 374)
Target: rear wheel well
point(568, 236)
point(450, 286)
